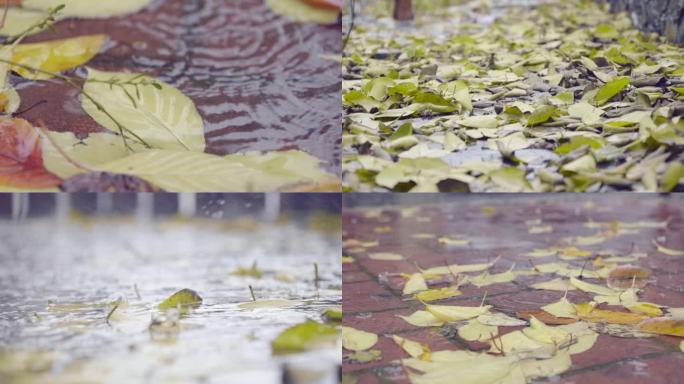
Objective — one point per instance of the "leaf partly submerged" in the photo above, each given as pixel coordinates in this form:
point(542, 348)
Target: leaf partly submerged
point(183, 300)
point(304, 336)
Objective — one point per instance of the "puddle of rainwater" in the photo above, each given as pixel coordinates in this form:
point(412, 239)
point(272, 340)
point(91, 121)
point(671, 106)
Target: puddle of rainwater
point(58, 279)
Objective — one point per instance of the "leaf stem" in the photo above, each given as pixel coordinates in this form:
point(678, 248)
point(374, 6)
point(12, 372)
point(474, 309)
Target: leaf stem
point(251, 292)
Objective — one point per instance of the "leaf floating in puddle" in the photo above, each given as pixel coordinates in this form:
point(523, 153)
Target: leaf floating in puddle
point(314, 11)
point(333, 314)
point(88, 8)
point(252, 271)
point(21, 161)
point(275, 303)
point(156, 112)
point(184, 300)
point(55, 56)
point(357, 340)
point(662, 326)
point(305, 336)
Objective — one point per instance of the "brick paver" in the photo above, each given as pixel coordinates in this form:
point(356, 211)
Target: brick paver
point(497, 227)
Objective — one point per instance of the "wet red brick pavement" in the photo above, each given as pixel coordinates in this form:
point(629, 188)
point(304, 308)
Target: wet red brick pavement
point(372, 293)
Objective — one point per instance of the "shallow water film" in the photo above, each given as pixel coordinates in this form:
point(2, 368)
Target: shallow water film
point(79, 300)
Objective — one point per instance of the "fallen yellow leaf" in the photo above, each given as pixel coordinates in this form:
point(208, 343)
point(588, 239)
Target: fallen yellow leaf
point(662, 326)
point(56, 55)
point(422, 319)
point(456, 313)
point(438, 294)
point(413, 348)
point(476, 331)
point(668, 251)
point(385, 256)
point(356, 340)
point(415, 283)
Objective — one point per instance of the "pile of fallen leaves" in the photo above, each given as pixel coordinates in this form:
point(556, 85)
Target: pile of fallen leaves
point(564, 96)
point(525, 345)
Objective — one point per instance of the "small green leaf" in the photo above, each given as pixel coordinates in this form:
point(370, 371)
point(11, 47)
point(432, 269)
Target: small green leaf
point(577, 142)
point(304, 336)
point(606, 31)
point(253, 271)
point(673, 174)
point(611, 89)
point(405, 130)
point(511, 179)
point(433, 102)
point(333, 314)
point(377, 88)
point(183, 300)
point(541, 115)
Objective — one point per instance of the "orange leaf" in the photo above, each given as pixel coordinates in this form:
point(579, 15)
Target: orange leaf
point(325, 4)
point(662, 326)
point(21, 159)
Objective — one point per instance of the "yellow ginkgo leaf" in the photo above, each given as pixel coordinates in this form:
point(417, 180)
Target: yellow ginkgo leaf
point(484, 279)
point(385, 256)
point(423, 319)
point(456, 313)
point(645, 308)
point(592, 288)
point(582, 337)
point(662, 326)
point(456, 268)
point(588, 312)
point(668, 251)
point(536, 368)
point(518, 343)
point(56, 55)
point(413, 348)
point(438, 294)
point(561, 308)
point(356, 340)
point(476, 331)
point(415, 283)
point(543, 333)
point(500, 319)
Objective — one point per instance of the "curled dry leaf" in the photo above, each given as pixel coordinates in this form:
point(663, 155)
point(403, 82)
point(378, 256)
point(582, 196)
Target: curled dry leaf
point(21, 160)
point(357, 340)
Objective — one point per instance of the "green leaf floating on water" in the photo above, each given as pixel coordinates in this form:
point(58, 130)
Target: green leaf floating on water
point(183, 300)
point(158, 113)
point(333, 314)
point(252, 271)
point(297, 10)
point(611, 89)
point(88, 8)
point(305, 336)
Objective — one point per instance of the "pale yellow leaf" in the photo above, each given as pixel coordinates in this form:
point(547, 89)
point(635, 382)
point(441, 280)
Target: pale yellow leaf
point(592, 288)
point(56, 55)
point(561, 308)
point(357, 340)
point(456, 313)
point(536, 368)
point(422, 319)
point(386, 256)
point(89, 8)
point(668, 251)
point(300, 11)
point(413, 348)
point(474, 330)
point(164, 118)
point(415, 283)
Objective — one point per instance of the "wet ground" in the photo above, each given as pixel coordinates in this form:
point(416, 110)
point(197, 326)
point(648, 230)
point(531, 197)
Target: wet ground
point(59, 281)
point(500, 225)
point(259, 81)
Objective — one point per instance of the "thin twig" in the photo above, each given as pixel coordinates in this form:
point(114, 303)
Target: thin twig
point(251, 292)
point(351, 25)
